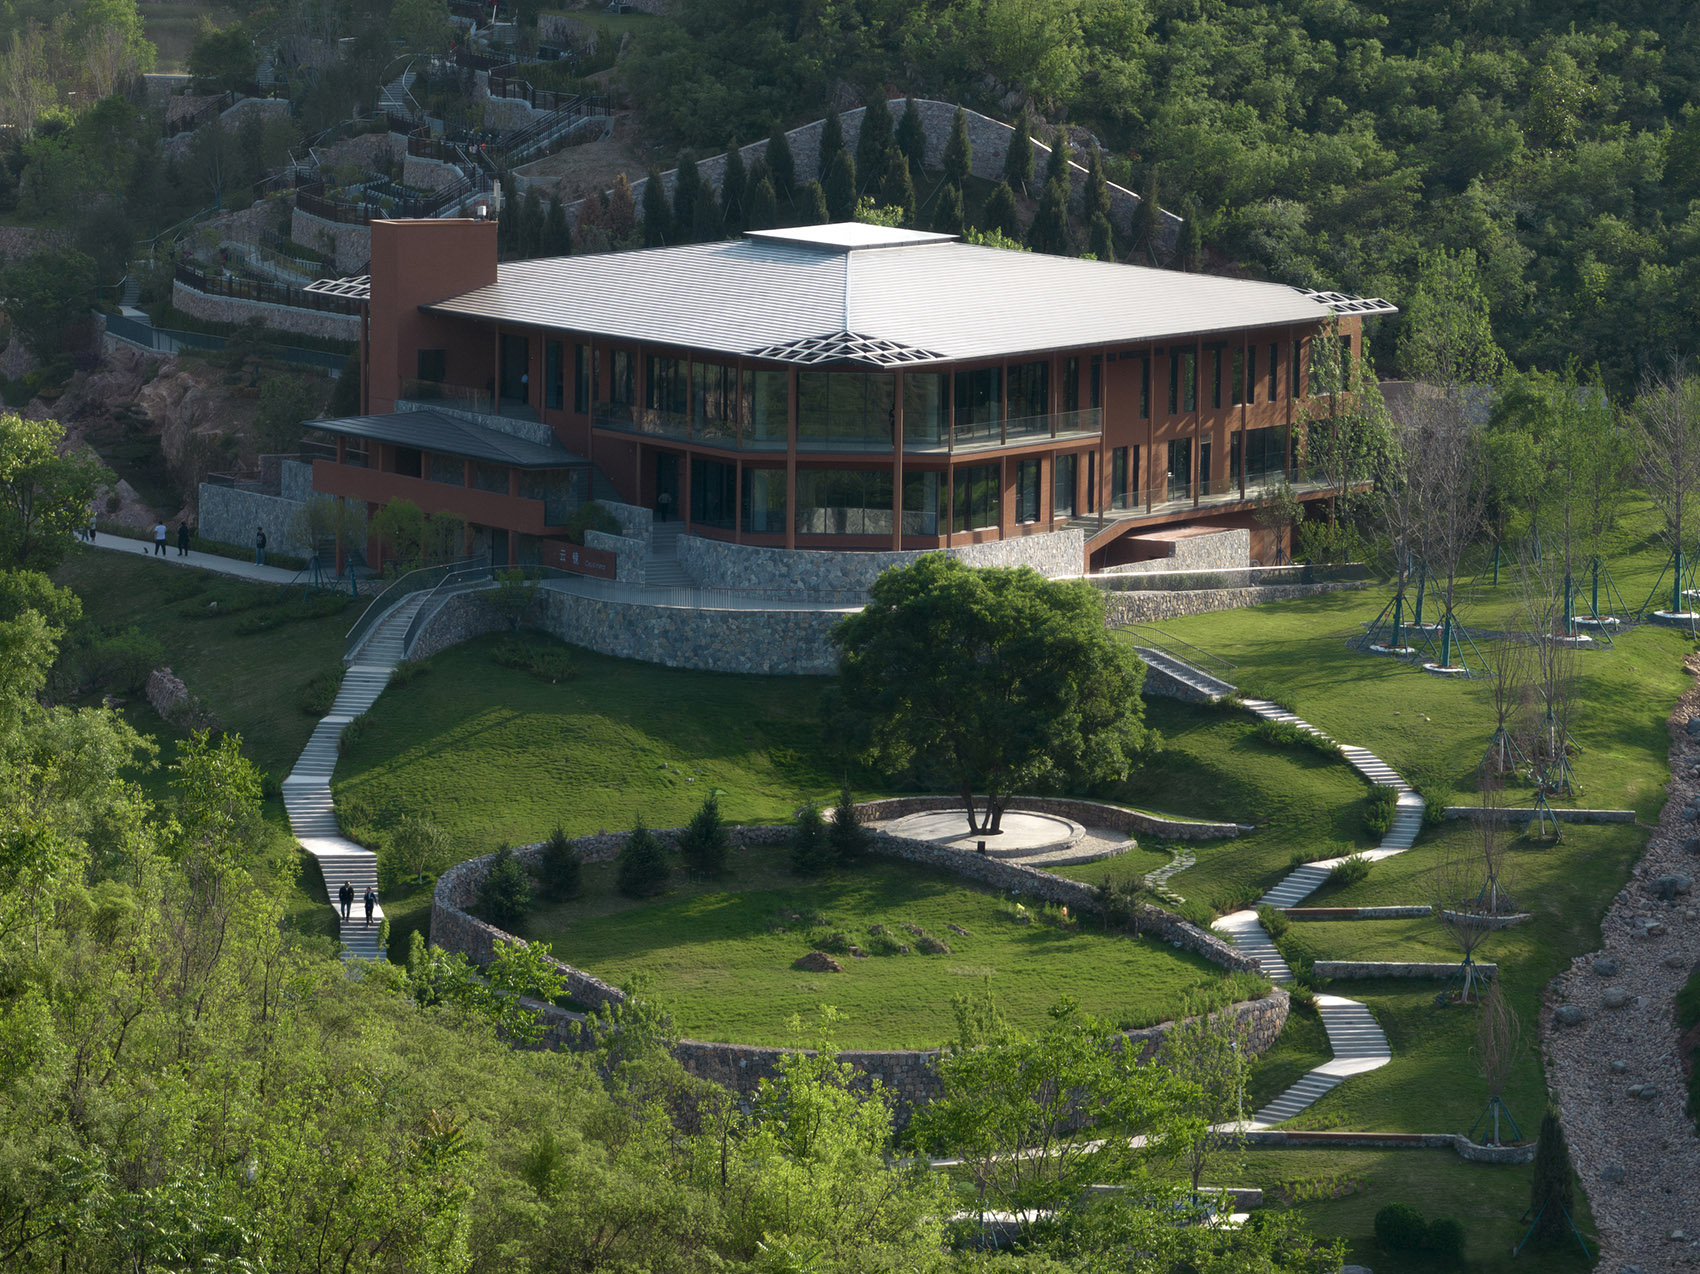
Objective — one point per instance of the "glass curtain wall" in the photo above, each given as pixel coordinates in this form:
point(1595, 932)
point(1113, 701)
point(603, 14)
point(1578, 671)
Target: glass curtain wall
point(1029, 401)
point(714, 404)
point(926, 411)
point(977, 498)
point(714, 493)
point(846, 411)
point(767, 409)
point(843, 501)
point(921, 503)
point(762, 501)
point(979, 406)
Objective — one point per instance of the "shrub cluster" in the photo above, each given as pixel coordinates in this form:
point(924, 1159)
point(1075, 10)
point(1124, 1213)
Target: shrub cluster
point(318, 696)
point(117, 662)
point(1378, 815)
point(319, 606)
point(1273, 920)
point(1284, 734)
point(1348, 871)
point(551, 662)
point(1399, 1227)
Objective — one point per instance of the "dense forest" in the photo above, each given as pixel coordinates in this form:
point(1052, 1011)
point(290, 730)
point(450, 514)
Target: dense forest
point(1317, 142)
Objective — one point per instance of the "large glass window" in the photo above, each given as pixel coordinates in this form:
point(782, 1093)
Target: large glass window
point(1118, 478)
point(1216, 378)
point(1180, 469)
point(1145, 386)
point(581, 378)
point(449, 469)
point(1174, 382)
point(714, 493)
point(1265, 452)
point(763, 500)
point(554, 375)
point(1204, 467)
point(979, 406)
point(767, 409)
point(666, 396)
point(1071, 383)
point(1029, 401)
point(1296, 381)
point(432, 364)
point(926, 411)
point(1064, 470)
point(1274, 371)
point(490, 477)
point(1189, 380)
point(1094, 399)
point(1091, 481)
point(621, 364)
point(921, 503)
point(561, 490)
point(1027, 491)
point(843, 502)
point(845, 411)
point(977, 500)
point(1251, 373)
point(714, 403)
point(1236, 378)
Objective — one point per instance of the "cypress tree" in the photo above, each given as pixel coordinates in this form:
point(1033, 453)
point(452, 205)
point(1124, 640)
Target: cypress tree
point(874, 140)
point(1000, 213)
point(912, 137)
point(557, 231)
point(812, 199)
point(657, 216)
point(1056, 167)
point(811, 849)
point(642, 868)
point(1018, 159)
point(687, 186)
point(898, 188)
point(781, 167)
point(760, 207)
point(958, 152)
point(847, 835)
point(529, 233)
point(1049, 231)
point(1552, 1192)
point(705, 843)
point(505, 895)
point(734, 183)
point(1148, 219)
point(1102, 243)
point(706, 226)
point(1097, 201)
point(840, 188)
point(947, 212)
point(831, 141)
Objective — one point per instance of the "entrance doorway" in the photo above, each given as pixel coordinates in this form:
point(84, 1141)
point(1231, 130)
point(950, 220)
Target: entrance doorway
point(516, 367)
point(666, 486)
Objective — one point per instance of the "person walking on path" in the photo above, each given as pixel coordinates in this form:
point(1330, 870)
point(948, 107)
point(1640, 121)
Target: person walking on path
point(259, 546)
point(371, 902)
point(91, 528)
point(159, 534)
point(345, 896)
point(183, 538)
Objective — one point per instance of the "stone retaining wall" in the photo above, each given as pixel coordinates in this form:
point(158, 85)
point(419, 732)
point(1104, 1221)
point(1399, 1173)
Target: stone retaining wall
point(1558, 815)
point(1357, 913)
point(1134, 607)
point(1355, 969)
point(719, 564)
point(229, 516)
point(277, 318)
point(348, 246)
point(1465, 1148)
point(457, 618)
point(908, 1074)
point(1185, 549)
point(428, 174)
point(1086, 813)
point(630, 554)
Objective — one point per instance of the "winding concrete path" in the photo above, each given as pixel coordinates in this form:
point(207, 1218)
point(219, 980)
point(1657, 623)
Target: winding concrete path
point(1357, 1041)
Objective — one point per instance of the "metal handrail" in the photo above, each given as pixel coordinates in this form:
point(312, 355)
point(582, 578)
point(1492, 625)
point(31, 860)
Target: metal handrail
point(1204, 659)
point(450, 582)
point(402, 586)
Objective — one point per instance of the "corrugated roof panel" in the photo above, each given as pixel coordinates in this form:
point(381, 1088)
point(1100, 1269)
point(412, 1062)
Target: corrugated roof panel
point(760, 297)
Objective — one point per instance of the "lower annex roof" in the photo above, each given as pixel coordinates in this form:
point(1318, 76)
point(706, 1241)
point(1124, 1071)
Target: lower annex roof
point(446, 435)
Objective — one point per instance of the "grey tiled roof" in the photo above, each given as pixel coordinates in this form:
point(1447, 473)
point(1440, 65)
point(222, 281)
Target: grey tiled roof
point(896, 297)
point(432, 431)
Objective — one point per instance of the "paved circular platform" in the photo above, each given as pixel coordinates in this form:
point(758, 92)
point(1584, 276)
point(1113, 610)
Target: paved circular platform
point(1023, 832)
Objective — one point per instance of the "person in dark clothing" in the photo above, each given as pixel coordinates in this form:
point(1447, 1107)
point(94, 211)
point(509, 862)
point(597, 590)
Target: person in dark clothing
point(183, 539)
point(345, 896)
point(259, 546)
point(371, 902)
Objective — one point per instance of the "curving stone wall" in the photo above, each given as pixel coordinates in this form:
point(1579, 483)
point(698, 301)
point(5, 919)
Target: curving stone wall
point(1088, 813)
point(631, 555)
point(720, 564)
point(1137, 607)
point(909, 1074)
point(277, 318)
point(348, 246)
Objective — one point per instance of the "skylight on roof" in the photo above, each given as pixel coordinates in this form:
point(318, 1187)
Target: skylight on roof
point(845, 236)
point(1341, 303)
point(844, 347)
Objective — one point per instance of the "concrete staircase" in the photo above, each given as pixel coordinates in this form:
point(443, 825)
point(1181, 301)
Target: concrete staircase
point(1196, 678)
point(394, 96)
point(662, 568)
point(307, 790)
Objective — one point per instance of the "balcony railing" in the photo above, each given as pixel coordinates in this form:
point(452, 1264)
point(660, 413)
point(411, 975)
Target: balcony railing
point(979, 436)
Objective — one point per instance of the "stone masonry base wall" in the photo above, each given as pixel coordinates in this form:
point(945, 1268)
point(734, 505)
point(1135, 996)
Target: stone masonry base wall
point(229, 516)
point(717, 564)
point(1133, 607)
point(908, 1074)
point(278, 318)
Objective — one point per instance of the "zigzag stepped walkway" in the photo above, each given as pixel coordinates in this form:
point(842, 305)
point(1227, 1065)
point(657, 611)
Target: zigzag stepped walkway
point(1357, 1041)
point(307, 790)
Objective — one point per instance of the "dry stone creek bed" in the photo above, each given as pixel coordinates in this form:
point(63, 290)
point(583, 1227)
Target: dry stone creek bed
point(1610, 1039)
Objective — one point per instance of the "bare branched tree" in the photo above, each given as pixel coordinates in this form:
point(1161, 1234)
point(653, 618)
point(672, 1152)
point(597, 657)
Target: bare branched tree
point(1508, 668)
point(1458, 906)
point(1499, 1035)
point(1493, 839)
point(1667, 422)
point(1446, 467)
point(1551, 707)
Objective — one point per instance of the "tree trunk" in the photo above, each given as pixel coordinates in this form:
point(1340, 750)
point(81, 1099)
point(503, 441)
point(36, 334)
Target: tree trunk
point(974, 827)
point(994, 814)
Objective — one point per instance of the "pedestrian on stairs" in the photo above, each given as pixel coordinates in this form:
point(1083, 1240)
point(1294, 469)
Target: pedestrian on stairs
point(371, 902)
point(345, 896)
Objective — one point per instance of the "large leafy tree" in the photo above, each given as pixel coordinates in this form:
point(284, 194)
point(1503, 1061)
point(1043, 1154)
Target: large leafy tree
point(44, 494)
point(46, 293)
point(987, 681)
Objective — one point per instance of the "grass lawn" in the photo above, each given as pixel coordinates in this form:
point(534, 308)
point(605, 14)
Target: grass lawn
point(723, 952)
point(1212, 765)
point(1342, 1190)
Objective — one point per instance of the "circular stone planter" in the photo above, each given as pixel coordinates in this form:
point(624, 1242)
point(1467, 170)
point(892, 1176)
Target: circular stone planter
point(1397, 651)
point(1022, 832)
point(1677, 618)
point(1596, 621)
point(1446, 670)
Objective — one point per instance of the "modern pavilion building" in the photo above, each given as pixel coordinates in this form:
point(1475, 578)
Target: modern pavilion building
point(840, 387)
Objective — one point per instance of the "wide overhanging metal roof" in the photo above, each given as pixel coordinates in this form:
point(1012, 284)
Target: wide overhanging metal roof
point(434, 431)
point(873, 297)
